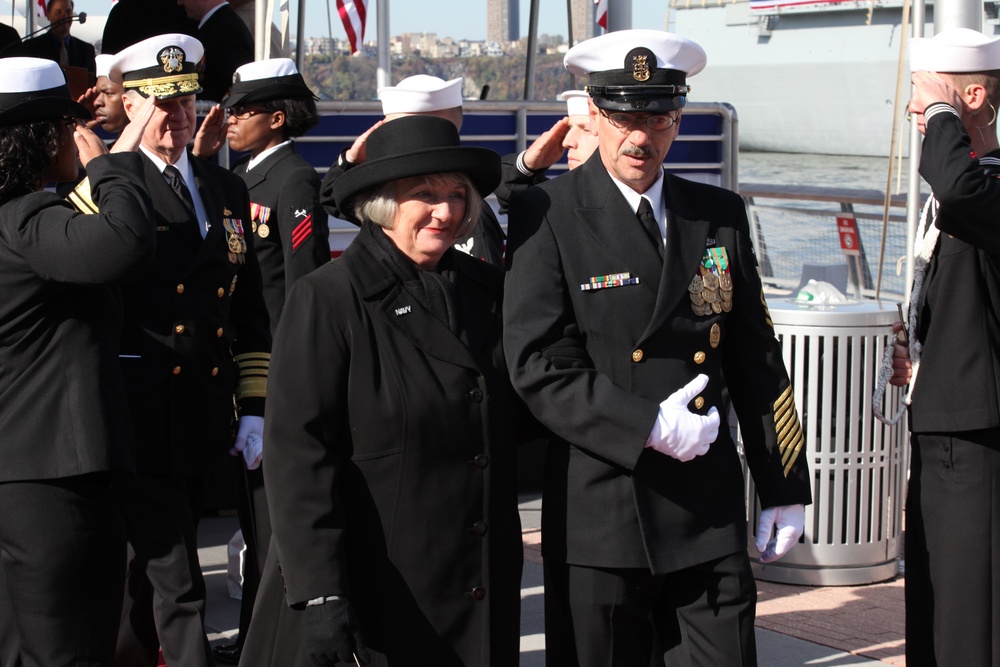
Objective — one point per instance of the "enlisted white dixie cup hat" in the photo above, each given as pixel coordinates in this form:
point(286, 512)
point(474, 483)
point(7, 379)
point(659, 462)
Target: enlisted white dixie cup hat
point(164, 65)
point(420, 94)
point(103, 62)
point(576, 102)
point(637, 70)
point(955, 50)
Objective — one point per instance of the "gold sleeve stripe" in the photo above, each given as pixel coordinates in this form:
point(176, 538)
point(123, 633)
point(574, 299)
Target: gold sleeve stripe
point(80, 198)
point(253, 375)
point(788, 429)
point(767, 313)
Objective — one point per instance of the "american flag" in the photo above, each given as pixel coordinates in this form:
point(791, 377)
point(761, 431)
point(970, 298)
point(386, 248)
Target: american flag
point(601, 13)
point(353, 14)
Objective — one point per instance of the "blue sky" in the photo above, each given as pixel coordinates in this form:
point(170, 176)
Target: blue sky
point(438, 16)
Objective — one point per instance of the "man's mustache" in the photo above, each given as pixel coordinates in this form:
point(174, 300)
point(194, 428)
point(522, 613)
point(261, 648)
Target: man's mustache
point(637, 151)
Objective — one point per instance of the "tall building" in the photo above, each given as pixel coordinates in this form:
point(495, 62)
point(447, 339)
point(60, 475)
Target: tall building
point(503, 22)
point(584, 26)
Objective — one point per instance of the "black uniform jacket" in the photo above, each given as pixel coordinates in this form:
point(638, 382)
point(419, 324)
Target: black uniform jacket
point(390, 466)
point(486, 241)
point(79, 52)
point(228, 44)
point(594, 364)
point(62, 403)
point(513, 180)
point(196, 316)
point(958, 384)
point(289, 226)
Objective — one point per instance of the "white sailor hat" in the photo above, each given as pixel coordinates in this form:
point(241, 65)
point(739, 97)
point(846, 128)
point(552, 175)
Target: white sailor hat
point(420, 94)
point(103, 62)
point(637, 70)
point(272, 79)
point(955, 50)
point(576, 102)
point(35, 89)
point(164, 65)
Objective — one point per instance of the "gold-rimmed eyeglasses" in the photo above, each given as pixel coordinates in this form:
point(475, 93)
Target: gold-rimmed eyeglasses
point(626, 121)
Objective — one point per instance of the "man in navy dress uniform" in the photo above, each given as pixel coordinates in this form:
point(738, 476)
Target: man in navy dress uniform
point(196, 341)
point(632, 301)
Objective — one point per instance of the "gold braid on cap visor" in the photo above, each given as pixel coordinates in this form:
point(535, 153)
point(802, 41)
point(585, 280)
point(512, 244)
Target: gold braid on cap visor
point(166, 85)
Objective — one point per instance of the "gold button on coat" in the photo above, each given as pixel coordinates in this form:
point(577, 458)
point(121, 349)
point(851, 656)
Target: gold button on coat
point(699, 403)
point(221, 292)
point(699, 357)
point(218, 332)
point(177, 370)
point(215, 371)
point(637, 356)
point(180, 288)
point(179, 329)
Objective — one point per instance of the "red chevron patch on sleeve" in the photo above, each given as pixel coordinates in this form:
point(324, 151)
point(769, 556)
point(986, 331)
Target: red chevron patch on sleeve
point(302, 232)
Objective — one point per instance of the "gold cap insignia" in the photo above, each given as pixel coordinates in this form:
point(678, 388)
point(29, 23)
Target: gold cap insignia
point(172, 58)
point(641, 62)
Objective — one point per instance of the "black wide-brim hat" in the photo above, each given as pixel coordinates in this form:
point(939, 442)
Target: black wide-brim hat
point(34, 89)
point(416, 146)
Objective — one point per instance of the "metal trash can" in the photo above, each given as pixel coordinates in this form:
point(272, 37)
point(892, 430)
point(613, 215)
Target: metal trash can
point(858, 465)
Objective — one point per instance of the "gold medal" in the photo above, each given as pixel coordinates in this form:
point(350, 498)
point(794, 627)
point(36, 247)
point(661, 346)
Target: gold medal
point(263, 230)
point(234, 243)
point(715, 335)
point(726, 282)
point(716, 307)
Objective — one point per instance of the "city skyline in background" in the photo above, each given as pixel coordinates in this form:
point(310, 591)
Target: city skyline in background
point(436, 16)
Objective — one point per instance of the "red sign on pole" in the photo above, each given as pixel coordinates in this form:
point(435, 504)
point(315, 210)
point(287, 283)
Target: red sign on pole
point(847, 229)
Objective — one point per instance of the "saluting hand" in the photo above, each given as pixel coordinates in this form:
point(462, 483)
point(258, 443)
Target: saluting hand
point(131, 136)
point(212, 133)
point(546, 150)
point(356, 154)
point(929, 88)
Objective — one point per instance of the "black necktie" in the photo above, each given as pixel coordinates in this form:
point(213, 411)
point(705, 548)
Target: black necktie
point(176, 184)
point(648, 220)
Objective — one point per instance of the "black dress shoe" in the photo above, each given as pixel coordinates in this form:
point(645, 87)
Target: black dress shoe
point(228, 654)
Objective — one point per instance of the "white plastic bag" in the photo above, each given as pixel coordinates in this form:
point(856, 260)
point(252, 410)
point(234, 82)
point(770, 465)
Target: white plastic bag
point(819, 292)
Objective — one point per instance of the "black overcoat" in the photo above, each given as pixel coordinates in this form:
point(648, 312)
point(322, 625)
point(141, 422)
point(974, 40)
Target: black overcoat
point(390, 468)
point(291, 235)
point(594, 364)
point(186, 322)
point(61, 396)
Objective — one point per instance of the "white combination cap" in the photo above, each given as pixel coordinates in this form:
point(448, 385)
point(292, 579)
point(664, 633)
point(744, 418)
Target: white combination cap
point(576, 102)
point(421, 93)
point(955, 50)
point(164, 65)
point(637, 70)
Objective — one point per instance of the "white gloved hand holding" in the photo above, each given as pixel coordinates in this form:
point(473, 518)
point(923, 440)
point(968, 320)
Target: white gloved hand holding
point(250, 441)
point(680, 433)
point(788, 522)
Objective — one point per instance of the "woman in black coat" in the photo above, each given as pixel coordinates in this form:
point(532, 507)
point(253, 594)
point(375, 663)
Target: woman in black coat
point(389, 448)
point(63, 411)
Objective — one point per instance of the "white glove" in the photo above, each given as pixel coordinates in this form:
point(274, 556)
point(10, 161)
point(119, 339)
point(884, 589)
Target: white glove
point(788, 521)
point(680, 433)
point(250, 441)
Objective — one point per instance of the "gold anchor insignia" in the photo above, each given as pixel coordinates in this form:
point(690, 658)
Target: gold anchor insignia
point(172, 58)
point(640, 68)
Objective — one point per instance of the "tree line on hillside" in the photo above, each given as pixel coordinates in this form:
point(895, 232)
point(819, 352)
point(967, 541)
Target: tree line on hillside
point(353, 78)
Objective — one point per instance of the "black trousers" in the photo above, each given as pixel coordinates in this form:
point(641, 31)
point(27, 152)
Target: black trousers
point(953, 550)
point(165, 593)
point(255, 522)
point(62, 571)
point(700, 616)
